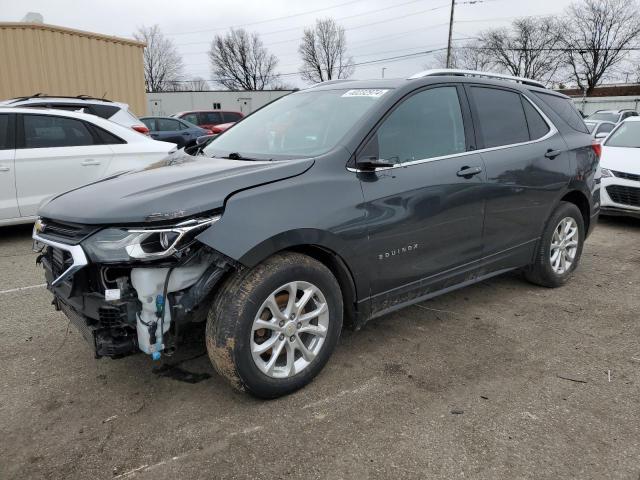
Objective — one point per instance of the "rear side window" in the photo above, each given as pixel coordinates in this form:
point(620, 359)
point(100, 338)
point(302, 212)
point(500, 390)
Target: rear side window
point(538, 128)
point(150, 123)
point(166, 124)
point(500, 117)
point(107, 138)
point(104, 111)
point(211, 118)
point(6, 133)
point(42, 131)
point(605, 128)
point(426, 125)
point(565, 109)
point(231, 117)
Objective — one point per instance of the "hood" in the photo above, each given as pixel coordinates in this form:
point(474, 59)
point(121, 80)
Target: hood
point(621, 159)
point(179, 186)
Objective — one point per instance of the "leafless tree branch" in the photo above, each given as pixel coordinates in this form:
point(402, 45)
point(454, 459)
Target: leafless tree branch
point(323, 51)
point(163, 66)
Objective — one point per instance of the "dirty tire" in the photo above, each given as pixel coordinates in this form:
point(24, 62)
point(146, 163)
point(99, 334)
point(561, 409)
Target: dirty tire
point(540, 271)
point(230, 320)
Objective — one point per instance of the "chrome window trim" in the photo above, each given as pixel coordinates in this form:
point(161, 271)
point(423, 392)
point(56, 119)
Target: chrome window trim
point(552, 132)
point(76, 251)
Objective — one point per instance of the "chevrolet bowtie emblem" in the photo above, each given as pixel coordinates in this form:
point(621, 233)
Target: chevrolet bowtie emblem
point(40, 226)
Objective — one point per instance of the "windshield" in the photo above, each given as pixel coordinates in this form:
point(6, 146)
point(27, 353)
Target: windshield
point(303, 124)
point(626, 135)
point(605, 117)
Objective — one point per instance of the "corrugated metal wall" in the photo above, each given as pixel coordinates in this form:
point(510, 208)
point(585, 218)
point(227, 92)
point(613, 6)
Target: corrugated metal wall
point(59, 61)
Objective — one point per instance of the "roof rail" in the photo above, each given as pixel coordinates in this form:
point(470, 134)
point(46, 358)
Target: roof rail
point(475, 73)
point(331, 82)
point(44, 95)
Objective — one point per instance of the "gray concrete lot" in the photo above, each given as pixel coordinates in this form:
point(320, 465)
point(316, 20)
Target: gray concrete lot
point(499, 380)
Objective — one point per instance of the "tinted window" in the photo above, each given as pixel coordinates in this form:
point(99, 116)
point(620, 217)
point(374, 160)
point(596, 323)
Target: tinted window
point(211, 118)
point(48, 131)
point(627, 135)
point(605, 128)
point(107, 138)
point(231, 117)
point(538, 128)
point(500, 117)
point(426, 125)
point(104, 111)
point(150, 123)
point(5, 135)
point(166, 124)
point(191, 117)
point(61, 106)
point(565, 109)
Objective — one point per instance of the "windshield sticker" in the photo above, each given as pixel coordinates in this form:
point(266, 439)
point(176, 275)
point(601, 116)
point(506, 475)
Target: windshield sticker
point(366, 92)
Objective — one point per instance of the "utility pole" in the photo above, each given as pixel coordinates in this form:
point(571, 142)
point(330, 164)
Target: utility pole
point(453, 7)
point(383, 69)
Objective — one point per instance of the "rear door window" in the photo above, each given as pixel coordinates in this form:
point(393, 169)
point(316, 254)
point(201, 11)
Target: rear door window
point(167, 125)
point(6, 132)
point(565, 109)
point(499, 117)
point(211, 118)
point(44, 131)
point(150, 123)
point(426, 125)
point(231, 117)
point(538, 127)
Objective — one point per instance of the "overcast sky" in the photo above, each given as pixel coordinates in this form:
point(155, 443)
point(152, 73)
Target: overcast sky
point(375, 29)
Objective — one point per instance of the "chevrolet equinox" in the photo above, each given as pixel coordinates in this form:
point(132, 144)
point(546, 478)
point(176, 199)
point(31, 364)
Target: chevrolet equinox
point(339, 203)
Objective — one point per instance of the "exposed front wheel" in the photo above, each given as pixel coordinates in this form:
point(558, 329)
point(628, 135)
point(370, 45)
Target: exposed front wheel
point(271, 329)
point(560, 247)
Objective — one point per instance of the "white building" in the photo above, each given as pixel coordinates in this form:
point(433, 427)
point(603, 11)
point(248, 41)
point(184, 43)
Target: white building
point(168, 103)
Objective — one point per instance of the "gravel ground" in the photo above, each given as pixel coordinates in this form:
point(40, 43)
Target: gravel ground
point(499, 380)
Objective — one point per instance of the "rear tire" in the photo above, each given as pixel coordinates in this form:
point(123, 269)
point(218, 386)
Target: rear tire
point(559, 249)
point(264, 338)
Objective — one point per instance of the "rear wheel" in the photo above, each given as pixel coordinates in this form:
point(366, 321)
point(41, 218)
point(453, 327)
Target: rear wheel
point(560, 247)
point(272, 329)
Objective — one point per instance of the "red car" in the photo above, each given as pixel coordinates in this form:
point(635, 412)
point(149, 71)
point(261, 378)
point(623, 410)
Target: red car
point(210, 118)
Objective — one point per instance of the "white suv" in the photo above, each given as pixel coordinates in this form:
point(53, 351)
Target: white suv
point(115, 111)
point(44, 152)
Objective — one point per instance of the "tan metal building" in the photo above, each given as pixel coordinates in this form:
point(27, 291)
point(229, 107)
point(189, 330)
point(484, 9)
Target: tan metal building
point(61, 61)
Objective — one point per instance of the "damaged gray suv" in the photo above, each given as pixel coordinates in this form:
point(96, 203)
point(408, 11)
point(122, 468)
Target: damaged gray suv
point(332, 205)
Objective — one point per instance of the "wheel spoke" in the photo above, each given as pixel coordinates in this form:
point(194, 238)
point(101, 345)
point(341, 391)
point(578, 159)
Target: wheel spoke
point(306, 296)
point(554, 255)
point(307, 354)
point(258, 324)
point(292, 289)
point(260, 348)
point(290, 367)
point(307, 317)
point(316, 330)
point(274, 356)
point(272, 305)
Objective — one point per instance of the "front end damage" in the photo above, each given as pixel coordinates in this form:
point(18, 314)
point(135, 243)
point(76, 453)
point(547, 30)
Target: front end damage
point(130, 290)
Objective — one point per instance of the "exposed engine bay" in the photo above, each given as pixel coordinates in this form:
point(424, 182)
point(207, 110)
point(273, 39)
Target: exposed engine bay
point(135, 304)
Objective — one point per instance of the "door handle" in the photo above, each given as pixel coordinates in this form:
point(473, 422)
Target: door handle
point(4, 169)
point(551, 154)
point(88, 163)
point(468, 172)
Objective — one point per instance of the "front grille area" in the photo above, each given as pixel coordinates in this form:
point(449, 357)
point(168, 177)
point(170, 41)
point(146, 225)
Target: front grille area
point(60, 260)
point(113, 315)
point(625, 195)
point(628, 176)
point(66, 232)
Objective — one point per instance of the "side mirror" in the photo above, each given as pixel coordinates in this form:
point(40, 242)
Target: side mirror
point(369, 164)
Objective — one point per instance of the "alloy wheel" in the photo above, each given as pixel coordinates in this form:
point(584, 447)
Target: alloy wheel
point(564, 245)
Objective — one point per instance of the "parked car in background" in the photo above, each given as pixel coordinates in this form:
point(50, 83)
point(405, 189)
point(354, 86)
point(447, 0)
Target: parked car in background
point(599, 129)
point(620, 169)
point(615, 116)
point(115, 111)
point(345, 200)
point(44, 152)
point(174, 130)
point(209, 118)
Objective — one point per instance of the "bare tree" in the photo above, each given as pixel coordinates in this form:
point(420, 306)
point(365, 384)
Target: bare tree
point(597, 37)
point(465, 57)
point(324, 52)
point(198, 84)
point(163, 64)
point(530, 48)
point(239, 61)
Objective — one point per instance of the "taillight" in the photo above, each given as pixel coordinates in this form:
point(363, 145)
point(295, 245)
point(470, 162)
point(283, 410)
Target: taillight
point(597, 148)
point(141, 128)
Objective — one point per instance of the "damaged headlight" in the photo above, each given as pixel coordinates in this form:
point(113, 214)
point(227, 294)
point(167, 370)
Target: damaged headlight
point(124, 244)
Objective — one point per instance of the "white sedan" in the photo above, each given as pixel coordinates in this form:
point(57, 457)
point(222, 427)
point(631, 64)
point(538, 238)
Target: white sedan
point(620, 166)
point(47, 152)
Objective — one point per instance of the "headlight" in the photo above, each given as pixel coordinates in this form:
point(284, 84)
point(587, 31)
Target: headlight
point(124, 244)
point(606, 173)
